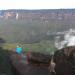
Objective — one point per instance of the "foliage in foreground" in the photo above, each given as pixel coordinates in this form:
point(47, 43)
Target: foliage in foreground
point(44, 46)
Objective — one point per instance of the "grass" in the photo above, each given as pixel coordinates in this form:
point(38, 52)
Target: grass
point(5, 67)
point(45, 46)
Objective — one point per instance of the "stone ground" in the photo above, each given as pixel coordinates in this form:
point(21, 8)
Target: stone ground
point(19, 63)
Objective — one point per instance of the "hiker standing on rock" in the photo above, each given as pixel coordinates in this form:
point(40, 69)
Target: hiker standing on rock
point(18, 50)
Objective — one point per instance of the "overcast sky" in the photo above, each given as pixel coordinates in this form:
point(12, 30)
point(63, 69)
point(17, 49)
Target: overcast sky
point(36, 4)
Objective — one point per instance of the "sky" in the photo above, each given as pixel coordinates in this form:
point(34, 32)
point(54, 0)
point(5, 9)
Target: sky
point(37, 4)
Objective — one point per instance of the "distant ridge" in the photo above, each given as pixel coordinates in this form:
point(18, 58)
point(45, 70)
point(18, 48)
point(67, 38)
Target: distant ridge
point(33, 25)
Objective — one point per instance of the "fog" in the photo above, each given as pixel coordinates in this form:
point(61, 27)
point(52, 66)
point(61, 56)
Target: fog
point(68, 39)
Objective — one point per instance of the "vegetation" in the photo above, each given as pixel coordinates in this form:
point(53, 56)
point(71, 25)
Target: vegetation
point(5, 67)
point(26, 31)
point(44, 46)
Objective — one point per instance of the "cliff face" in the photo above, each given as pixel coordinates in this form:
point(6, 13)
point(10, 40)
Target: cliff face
point(33, 25)
point(38, 14)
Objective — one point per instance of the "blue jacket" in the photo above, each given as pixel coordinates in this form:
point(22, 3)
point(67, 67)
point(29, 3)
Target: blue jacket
point(18, 50)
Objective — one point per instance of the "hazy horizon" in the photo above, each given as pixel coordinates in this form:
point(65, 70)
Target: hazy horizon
point(40, 9)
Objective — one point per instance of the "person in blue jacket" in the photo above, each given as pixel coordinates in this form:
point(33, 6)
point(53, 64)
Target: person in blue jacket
point(18, 50)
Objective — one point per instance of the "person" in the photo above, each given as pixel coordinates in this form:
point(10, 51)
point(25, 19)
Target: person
point(18, 50)
point(52, 66)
